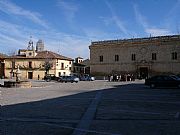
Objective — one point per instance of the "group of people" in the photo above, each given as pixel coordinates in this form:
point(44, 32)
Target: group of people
point(124, 77)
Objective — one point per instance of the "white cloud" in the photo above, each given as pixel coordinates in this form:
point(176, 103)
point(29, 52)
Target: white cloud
point(139, 17)
point(68, 45)
point(94, 34)
point(15, 36)
point(157, 32)
point(107, 20)
point(119, 23)
point(11, 34)
point(69, 9)
point(150, 30)
point(5, 39)
point(11, 8)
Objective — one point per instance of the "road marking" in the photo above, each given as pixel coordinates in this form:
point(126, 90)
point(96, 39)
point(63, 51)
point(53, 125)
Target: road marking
point(82, 130)
point(88, 116)
point(126, 100)
point(142, 112)
point(54, 122)
point(146, 95)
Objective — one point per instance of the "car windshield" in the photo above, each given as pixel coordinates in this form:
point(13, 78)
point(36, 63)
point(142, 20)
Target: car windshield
point(175, 77)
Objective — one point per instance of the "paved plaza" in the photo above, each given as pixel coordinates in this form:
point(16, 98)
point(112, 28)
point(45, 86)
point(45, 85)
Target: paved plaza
point(89, 108)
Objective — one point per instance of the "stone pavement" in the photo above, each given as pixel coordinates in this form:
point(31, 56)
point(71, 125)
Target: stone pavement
point(90, 108)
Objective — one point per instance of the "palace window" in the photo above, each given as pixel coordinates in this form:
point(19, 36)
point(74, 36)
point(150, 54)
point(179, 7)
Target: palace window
point(174, 56)
point(62, 66)
point(101, 58)
point(30, 64)
point(133, 57)
point(153, 56)
point(116, 57)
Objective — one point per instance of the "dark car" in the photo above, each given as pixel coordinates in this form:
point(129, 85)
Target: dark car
point(175, 77)
point(50, 77)
point(178, 75)
point(68, 79)
point(162, 81)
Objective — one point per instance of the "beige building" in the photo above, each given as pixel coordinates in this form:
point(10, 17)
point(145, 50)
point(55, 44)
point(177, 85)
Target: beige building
point(81, 66)
point(141, 57)
point(33, 63)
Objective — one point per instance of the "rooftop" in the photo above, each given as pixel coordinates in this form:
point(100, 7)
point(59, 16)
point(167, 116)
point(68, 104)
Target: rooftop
point(44, 55)
point(51, 55)
point(146, 39)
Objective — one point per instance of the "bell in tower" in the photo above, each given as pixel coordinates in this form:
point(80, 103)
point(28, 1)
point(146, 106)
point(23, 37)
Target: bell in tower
point(30, 44)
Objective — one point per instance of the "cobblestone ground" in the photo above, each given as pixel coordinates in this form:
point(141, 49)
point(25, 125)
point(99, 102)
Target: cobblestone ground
point(89, 108)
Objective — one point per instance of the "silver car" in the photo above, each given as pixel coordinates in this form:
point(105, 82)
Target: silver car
point(68, 79)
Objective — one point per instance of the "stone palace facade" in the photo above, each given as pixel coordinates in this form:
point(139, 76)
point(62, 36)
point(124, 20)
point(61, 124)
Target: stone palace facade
point(142, 57)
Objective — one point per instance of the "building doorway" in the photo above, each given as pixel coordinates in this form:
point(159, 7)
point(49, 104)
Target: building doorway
point(30, 75)
point(143, 72)
point(2, 70)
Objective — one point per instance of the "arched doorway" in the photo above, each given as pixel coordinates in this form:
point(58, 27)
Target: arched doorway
point(143, 72)
point(143, 69)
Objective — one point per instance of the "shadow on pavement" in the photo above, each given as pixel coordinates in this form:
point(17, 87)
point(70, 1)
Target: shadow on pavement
point(121, 110)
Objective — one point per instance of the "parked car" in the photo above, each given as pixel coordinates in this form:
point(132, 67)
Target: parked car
point(178, 75)
point(87, 78)
point(162, 81)
point(50, 77)
point(175, 77)
point(68, 79)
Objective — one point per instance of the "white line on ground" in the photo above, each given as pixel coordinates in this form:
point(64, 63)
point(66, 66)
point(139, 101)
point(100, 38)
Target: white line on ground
point(146, 95)
point(142, 112)
point(53, 122)
point(82, 130)
point(163, 102)
point(88, 116)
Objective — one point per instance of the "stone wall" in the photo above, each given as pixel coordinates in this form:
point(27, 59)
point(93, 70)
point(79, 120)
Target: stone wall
point(143, 53)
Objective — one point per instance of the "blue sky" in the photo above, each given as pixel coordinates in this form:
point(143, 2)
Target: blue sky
point(68, 26)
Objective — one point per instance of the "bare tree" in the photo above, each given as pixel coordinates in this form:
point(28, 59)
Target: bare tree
point(12, 54)
point(48, 65)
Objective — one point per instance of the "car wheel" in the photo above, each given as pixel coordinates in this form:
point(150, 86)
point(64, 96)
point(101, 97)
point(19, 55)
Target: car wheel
point(152, 85)
point(48, 80)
